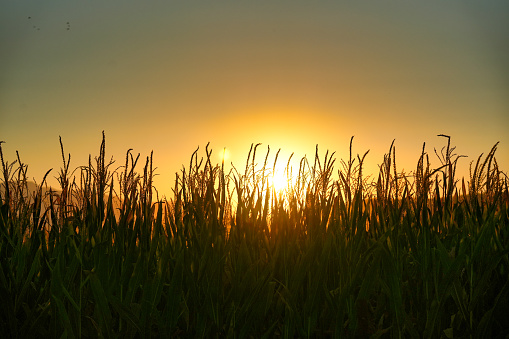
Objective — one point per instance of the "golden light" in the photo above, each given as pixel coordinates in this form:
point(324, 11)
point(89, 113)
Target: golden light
point(224, 156)
point(278, 180)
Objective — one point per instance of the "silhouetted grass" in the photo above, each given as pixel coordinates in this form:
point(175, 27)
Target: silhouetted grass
point(421, 255)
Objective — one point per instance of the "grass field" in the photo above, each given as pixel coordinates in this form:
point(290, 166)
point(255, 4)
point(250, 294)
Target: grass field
point(394, 256)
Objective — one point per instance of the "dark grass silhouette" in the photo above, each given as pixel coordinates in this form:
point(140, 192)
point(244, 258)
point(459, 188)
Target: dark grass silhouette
point(229, 256)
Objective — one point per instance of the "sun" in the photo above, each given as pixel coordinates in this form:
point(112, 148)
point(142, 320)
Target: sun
point(278, 180)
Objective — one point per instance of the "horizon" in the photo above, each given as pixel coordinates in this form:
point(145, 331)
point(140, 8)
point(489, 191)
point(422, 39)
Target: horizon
point(278, 177)
point(169, 77)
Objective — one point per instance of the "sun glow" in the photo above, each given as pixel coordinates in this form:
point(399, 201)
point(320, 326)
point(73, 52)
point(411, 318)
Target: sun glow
point(224, 156)
point(279, 180)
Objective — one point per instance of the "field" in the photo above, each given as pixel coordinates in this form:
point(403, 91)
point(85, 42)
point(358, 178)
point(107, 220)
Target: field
point(397, 255)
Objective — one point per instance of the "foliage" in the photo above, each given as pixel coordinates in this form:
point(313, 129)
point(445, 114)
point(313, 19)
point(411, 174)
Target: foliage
point(229, 256)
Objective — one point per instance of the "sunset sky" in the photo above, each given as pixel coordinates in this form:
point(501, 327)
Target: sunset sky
point(170, 76)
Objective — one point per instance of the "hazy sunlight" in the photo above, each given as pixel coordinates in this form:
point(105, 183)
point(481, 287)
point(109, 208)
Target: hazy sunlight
point(224, 155)
point(279, 180)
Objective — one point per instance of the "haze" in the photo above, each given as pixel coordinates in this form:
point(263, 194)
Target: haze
point(170, 76)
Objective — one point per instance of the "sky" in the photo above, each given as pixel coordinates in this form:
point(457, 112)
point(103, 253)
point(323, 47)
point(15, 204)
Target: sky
point(171, 76)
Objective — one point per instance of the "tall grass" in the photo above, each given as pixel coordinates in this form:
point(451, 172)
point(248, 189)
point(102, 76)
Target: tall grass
point(403, 255)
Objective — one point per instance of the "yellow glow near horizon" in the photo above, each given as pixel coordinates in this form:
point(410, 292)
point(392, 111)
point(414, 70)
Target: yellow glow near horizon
point(282, 179)
point(279, 180)
point(224, 155)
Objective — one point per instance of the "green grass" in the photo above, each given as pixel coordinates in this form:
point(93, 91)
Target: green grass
point(421, 255)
